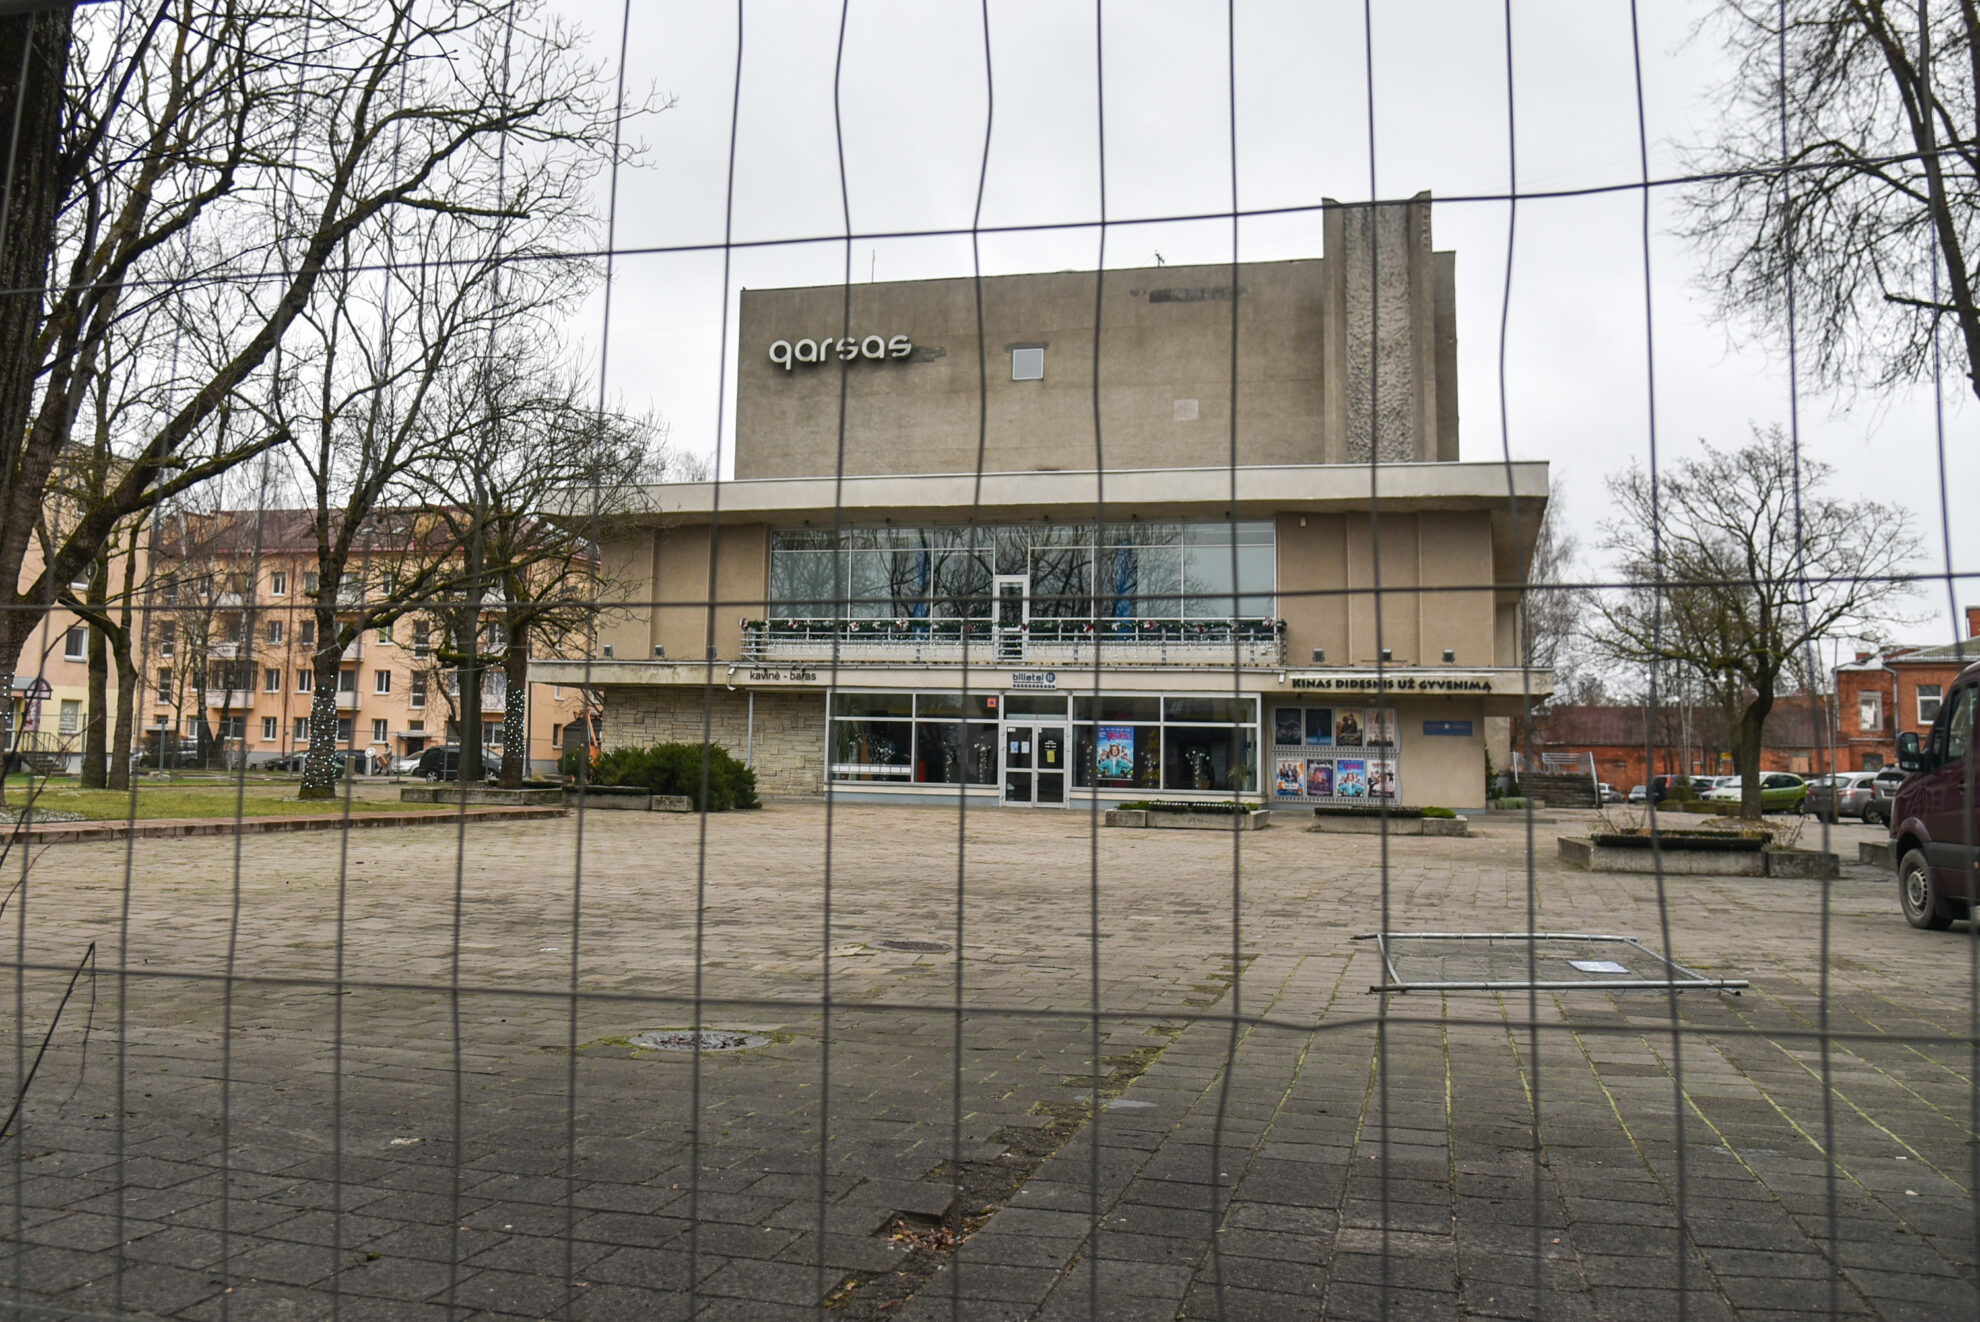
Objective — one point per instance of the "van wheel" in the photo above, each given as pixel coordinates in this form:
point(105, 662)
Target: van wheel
point(1919, 894)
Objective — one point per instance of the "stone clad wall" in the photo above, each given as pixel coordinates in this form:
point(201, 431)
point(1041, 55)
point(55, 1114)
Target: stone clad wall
point(790, 728)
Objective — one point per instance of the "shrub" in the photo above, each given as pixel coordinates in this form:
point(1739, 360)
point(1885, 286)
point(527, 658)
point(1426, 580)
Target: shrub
point(676, 769)
point(1438, 812)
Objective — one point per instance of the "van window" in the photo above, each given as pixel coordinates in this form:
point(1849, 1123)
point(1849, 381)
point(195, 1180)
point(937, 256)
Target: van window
point(1958, 725)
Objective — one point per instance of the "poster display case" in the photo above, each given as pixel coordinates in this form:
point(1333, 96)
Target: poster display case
point(1334, 754)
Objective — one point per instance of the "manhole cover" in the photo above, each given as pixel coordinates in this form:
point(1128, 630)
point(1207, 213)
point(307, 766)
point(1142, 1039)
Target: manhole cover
point(687, 1039)
point(918, 947)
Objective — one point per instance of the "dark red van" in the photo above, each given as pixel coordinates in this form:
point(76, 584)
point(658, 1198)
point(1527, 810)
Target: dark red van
point(1935, 818)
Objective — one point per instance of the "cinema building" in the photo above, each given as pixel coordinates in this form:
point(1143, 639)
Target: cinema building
point(949, 563)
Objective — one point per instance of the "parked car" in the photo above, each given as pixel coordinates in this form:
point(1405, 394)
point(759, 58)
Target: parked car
point(444, 763)
point(1884, 788)
point(1842, 794)
point(1665, 787)
point(1780, 791)
point(1607, 792)
point(1639, 793)
point(1935, 818)
point(403, 766)
point(1706, 784)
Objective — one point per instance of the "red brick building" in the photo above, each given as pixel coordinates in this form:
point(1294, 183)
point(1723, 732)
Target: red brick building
point(1687, 740)
point(1880, 695)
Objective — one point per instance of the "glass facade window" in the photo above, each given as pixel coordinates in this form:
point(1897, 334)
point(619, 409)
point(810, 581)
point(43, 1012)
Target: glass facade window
point(914, 738)
point(1127, 742)
point(1124, 572)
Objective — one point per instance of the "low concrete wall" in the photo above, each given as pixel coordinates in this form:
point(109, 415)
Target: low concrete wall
point(1329, 825)
point(592, 801)
point(1804, 864)
point(1877, 853)
point(1255, 820)
point(489, 794)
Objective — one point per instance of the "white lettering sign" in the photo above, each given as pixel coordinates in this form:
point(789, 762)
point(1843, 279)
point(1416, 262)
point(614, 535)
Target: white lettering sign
point(1046, 680)
point(845, 348)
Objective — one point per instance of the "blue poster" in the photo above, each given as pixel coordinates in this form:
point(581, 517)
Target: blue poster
point(1319, 725)
point(1114, 756)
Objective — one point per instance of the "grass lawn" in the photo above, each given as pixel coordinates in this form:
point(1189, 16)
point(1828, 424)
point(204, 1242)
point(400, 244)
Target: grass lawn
point(209, 800)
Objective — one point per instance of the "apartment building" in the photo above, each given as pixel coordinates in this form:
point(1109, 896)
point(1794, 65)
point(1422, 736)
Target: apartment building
point(228, 654)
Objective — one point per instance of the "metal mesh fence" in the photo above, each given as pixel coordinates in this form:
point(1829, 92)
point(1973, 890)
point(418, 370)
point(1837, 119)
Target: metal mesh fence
point(941, 1029)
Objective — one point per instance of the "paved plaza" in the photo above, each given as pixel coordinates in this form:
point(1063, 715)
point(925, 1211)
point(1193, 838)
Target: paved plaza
point(271, 1147)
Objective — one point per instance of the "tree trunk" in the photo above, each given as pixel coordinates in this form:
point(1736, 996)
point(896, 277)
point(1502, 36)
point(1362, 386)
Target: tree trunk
point(515, 710)
point(120, 742)
point(96, 729)
point(320, 762)
point(1747, 734)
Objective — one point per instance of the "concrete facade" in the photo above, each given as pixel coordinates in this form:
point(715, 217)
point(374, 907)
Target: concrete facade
point(1309, 339)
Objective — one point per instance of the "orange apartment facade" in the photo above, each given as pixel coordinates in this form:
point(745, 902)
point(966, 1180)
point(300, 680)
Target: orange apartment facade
point(231, 640)
point(1883, 694)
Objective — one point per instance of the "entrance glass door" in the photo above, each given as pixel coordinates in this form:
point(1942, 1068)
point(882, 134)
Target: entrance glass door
point(1013, 605)
point(1035, 764)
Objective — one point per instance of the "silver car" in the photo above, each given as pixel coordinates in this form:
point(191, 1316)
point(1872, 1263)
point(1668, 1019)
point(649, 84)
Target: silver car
point(1844, 794)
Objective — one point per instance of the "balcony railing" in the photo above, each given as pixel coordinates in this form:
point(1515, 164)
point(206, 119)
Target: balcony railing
point(236, 699)
point(1258, 643)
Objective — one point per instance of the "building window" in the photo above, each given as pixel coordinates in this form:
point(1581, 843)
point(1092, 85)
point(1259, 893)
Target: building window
point(1928, 703)
point(1028, 364)
point(415, 727)
point(70, 720)
point(278, 584)
point(379, 734)
point(491, 734)
point(1870, 713)
point(306, 632)
point(271, 680)
point(269, 728)
point(381, 681)
point(275, 631)
point(168, 637)
point(876, 737)
point(422, 637)
point(417, 697)
point(232, 727)
point(556, 735)
point(302, 729)
point(385, 635)
point(347, 681)
point(311, 581)
point(164, 683)
point(1138, 578)
point(192, 727)
point(556, 692)
point(305, 679)
point(75, 644)
point(345, 727)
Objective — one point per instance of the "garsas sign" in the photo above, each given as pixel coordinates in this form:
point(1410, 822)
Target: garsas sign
point(786, 355)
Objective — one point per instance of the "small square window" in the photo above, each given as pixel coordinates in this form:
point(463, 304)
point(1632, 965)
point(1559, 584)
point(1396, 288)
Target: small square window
point(1027, 364)
point(1928, 703)
point(74, 644)
point(278, 584)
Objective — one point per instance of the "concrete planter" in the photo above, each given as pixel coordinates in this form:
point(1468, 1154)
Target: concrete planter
point(1877, 853)
point(1254, 820)
point(549, 798)
point(594, 800)
point(670, 803)
point(1344, 825)
point(1715, 859)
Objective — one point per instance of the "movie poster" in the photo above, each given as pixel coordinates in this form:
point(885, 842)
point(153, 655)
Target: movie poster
point(1380, 731)
point(1382, 779)
point(1114, 756)
point(1347, 727)
point(1285, 726)
point(1320, 725)
point(1351, 778)
point(1319, 780)
point(1289, 783)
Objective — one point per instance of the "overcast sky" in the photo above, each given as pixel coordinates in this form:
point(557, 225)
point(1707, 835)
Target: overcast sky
point(914, 107)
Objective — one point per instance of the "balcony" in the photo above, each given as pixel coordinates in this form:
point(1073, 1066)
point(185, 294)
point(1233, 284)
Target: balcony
point(1254, 644)
point(347, 701)
point(232, 699)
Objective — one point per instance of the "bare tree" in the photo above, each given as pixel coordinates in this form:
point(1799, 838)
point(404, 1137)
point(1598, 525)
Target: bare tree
point(1737, 565)
point(531, 570)
point(223, 156)
point(1846, 157)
